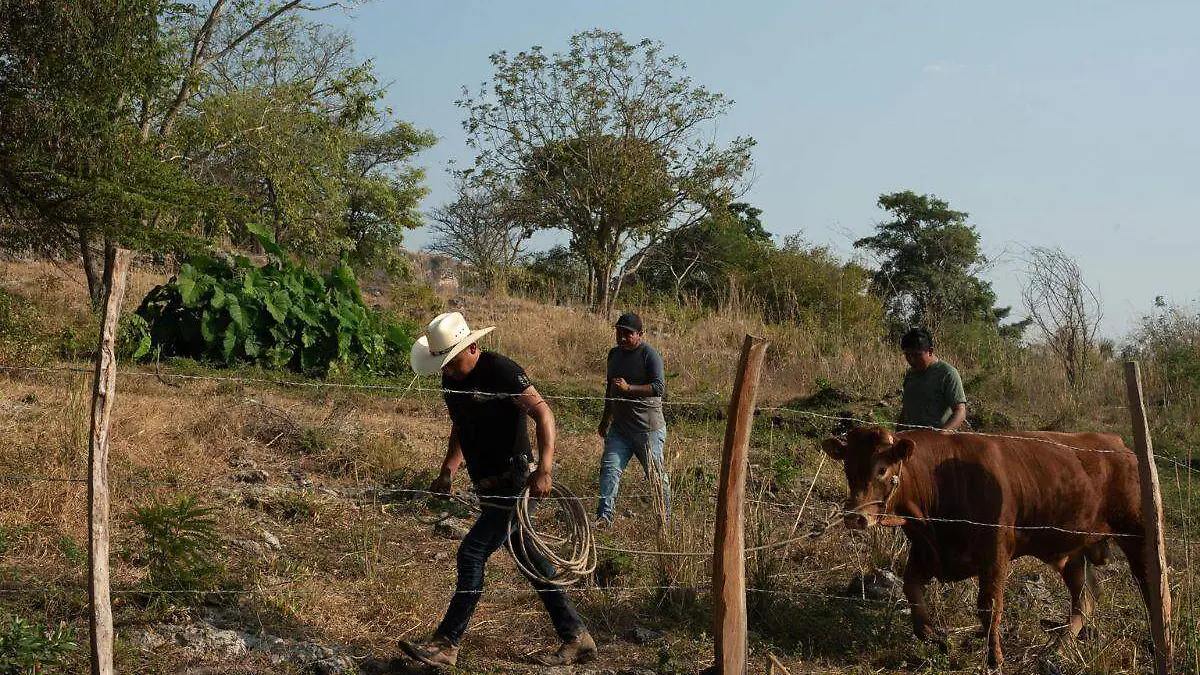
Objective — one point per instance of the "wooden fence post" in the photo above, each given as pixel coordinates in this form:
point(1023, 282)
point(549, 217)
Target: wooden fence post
point(1157, 585)
point(729, 562)
point(116, 269)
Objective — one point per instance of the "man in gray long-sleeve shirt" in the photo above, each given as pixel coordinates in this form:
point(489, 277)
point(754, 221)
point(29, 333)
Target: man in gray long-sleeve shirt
point(632, 423)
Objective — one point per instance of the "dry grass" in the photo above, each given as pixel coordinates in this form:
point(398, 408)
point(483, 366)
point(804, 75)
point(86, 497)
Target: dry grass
point(361, 573)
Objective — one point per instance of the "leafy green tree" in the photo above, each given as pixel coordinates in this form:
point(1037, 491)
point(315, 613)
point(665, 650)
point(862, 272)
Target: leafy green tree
point(136, 122)
point(76, 169)
point(930, 261)
point(607, 141)
point(557, 275)
point(289, 125)
point(806, 285)
point(699, 261)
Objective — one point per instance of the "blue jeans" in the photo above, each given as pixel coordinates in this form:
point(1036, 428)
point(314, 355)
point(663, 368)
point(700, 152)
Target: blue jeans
point(619, 447)
point(487, 535)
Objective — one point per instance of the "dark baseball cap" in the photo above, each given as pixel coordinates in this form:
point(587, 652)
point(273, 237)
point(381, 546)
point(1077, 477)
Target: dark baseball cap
point(917, 338)
point(630, 321)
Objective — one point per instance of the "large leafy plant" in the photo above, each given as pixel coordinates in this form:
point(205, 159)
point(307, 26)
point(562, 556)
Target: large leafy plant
point(280, 315)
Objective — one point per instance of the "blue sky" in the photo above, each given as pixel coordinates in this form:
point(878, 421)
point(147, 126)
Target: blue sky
point(1066, 123)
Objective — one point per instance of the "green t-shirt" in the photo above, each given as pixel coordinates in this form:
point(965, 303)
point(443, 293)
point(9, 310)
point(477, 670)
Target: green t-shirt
point(931, 394)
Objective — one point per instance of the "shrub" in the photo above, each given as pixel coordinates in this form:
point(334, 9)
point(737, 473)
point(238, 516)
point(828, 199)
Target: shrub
point(21, 340)
point(611, 566)
point(279, 315)
point(27, 648)
point(181, 543)
point(1170, 341)
point(811, 287)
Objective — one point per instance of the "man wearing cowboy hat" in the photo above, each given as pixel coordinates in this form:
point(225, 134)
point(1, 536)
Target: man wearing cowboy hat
point(489, 398)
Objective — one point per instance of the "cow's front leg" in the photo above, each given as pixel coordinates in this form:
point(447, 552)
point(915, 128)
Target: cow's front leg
point(1076, 575)
point(916, 576)
point(991, 605)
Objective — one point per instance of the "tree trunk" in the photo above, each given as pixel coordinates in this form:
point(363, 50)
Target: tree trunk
point(593, 274)
point(93, 267)
point(604, 297)
point(498, 283)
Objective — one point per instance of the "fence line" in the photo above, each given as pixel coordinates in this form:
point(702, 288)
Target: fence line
point(764, 547)
point(509, 590)
point(771, 545)
point(563, 397)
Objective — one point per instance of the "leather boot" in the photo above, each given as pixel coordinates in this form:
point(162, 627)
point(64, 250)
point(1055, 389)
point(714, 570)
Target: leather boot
point(580, 650)
point(434, 651)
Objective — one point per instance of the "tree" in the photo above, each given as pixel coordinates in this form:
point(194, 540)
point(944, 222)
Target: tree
point(557, 275)
point(1064, 308)
point(698, 261)
point(807, 285)
point(608, 142)
point(134, 121)
point(76, 170)
point(930, 265)
point(478, 229)
point(289, 125)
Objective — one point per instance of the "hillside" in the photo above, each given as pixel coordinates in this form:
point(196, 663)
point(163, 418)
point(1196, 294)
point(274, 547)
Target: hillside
point(329, 552)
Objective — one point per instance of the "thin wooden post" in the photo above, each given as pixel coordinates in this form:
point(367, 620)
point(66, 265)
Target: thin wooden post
point(116, 269)
point(729, 561)
point(1157, 585)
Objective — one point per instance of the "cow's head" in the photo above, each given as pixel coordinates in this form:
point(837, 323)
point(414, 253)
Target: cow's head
point(872, 457)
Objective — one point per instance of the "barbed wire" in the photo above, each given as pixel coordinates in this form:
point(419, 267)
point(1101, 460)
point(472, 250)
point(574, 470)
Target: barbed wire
point(986, 434)
point(552, 397)
point(510, 590)
point(771, 545)
point(781, 505)
point(838, 418)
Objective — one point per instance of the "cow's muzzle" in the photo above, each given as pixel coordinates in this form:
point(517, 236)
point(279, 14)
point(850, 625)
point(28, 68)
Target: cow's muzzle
point(855, 517)
point(855, 521)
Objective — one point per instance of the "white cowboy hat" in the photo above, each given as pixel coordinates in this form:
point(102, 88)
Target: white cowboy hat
point(446, 336)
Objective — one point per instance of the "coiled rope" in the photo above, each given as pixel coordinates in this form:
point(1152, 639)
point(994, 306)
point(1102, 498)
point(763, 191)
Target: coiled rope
point(573, 556)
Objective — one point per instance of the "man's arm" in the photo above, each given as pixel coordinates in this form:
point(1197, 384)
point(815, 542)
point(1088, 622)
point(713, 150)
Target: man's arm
point(453, 460)
point(957, 418)
point(606, 416)
point(656, 386)
point(632, 390)
point(536, 407)
point(958, 401)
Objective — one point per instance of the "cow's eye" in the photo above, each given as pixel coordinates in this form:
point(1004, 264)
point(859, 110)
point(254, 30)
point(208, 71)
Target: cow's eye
point(881, 472)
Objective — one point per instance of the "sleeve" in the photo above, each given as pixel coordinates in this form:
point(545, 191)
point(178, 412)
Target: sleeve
point(954, 388)
point(654, 369)
point(511, 378)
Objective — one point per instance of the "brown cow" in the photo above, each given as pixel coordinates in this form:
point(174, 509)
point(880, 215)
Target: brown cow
point(1026, 494)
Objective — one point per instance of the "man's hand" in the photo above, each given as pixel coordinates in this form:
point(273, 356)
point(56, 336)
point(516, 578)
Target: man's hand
point(539, 483)
point(620, 385)
point(442, 484)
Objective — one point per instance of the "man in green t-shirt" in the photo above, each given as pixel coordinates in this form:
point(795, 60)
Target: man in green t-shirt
point(933, 391)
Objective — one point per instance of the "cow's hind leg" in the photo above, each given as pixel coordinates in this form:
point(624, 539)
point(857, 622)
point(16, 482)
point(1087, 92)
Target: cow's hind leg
point(991, 604)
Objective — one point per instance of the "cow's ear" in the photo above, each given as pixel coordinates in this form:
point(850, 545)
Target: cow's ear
point(902, 450)
point(834, 447)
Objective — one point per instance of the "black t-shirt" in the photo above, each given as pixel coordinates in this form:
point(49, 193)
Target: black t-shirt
point(491, 426)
